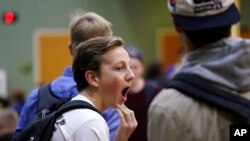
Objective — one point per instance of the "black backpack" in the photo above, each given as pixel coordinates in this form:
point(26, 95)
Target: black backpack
point(198, 88)
point(41, 128)
point(46, 97)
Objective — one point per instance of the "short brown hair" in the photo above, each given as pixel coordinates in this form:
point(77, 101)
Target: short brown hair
point(89, 57)
point(84, 26)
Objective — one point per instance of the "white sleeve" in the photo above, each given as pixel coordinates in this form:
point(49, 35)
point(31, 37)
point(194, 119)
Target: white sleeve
point(94, 130)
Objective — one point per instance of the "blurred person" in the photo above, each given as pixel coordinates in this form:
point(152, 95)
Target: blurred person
point(101, 69)
point(172, 69)
point(140, 95)
point(4, 103)
point(17, 99)
point(154, 72)
point(204, 28)
point(8, 120)
point(83, 26)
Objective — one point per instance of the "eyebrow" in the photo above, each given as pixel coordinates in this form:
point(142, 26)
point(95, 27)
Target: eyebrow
point(122, 62)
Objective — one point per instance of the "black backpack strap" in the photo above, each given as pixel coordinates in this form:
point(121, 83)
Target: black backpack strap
point(68, 106)
point(75, 104)
point(42, 129)
point(46, 97)
point(200, 89)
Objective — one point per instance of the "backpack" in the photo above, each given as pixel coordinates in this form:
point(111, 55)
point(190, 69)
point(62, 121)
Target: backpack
point(198, 88)
point(46, 97)
point(41, 129)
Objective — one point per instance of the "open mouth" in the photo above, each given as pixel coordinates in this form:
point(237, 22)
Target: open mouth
point(125, 91)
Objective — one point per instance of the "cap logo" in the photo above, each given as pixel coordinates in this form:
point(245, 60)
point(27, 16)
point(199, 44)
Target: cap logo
point(173, 4)
point(206, 5)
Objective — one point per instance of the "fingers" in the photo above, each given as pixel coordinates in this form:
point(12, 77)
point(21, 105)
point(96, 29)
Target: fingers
point(122, 118)
point(126, 114)
point(127, 117)
point(132, 115)
point(128, 122)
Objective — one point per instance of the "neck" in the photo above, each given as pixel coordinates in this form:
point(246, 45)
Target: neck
point(95, 98)
point(189, 46)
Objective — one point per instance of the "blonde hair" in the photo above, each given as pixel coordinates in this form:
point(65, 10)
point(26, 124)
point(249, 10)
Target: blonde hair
point(84, 26)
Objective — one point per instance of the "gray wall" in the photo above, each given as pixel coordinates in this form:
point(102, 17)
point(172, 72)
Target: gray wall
point(135, 21)
point(245, 17)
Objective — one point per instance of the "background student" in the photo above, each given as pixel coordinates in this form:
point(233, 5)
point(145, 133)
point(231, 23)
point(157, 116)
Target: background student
point(204, 28)
point(83, 26)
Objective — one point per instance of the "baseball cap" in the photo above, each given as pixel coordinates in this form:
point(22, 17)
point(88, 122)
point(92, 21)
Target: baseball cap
point(134, 52)
point(203, 14)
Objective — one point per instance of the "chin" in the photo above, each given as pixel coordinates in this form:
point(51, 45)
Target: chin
point(120, 103)
point(113, 105)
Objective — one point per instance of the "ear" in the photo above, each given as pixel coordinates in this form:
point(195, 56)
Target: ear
point(92, 78)
point(70, 48)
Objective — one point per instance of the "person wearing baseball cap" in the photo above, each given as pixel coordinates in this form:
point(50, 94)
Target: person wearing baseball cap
point(140, 94)
point(204, 28)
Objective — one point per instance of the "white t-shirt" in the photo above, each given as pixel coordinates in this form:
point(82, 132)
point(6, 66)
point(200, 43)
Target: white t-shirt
point(81, 125)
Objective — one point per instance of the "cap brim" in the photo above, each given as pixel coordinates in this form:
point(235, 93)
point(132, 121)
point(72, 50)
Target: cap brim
point(226, 18)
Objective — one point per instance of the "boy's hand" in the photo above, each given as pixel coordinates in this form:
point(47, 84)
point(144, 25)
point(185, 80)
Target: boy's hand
point(128, 123)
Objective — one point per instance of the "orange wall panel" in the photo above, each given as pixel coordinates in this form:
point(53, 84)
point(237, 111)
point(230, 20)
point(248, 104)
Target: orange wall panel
point(53, 56)
point(169, 47)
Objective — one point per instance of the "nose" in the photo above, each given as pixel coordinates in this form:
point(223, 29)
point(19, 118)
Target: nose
point(130, 75)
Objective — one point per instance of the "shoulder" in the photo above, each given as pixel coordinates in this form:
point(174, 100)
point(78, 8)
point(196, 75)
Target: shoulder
point(171, 102)
point(64, 86)
point(84, 115)
point(237, 41)
point(32, 98)
point(177, 107)
point(166, 99)
point(246, 41)
point(33, 94)
point(82, 124)
point(172, 110)
point(170, 95)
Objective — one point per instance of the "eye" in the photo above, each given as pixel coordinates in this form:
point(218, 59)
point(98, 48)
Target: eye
point(130, 66)
point(120, 68)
